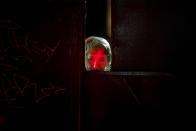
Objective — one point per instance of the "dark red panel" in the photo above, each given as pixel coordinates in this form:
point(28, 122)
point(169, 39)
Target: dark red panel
point(146, 34)
point(40, 65)
point(119, 102)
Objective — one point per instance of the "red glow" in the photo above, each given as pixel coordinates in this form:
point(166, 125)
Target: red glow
point(97, 59)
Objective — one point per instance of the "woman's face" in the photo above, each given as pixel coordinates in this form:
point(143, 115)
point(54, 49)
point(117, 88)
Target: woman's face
point(97, 58)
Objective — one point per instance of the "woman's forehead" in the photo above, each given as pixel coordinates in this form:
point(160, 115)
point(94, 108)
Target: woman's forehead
point(97, 50)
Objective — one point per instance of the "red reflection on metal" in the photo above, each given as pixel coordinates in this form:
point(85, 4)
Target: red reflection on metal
point(97, 59)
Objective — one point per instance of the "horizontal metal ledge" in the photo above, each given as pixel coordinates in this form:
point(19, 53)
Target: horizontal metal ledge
point(132, 73)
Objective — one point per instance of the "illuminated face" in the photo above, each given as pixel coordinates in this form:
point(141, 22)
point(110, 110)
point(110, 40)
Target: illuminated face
point(97, 59)
point(98, 54)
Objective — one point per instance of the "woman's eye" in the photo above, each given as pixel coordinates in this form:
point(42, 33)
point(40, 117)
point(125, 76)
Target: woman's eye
point(101, 59)
point(91, 59)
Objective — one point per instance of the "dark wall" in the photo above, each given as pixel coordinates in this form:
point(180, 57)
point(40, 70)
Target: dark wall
point(129, 102)
point(40, 46)
point(151, 35)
